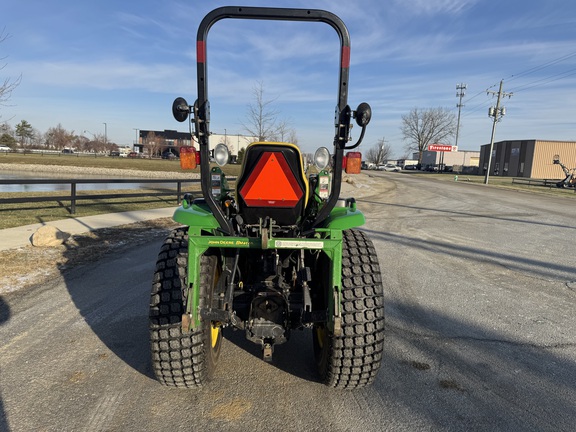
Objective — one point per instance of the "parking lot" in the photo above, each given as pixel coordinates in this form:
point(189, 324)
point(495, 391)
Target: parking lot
point(480, 291)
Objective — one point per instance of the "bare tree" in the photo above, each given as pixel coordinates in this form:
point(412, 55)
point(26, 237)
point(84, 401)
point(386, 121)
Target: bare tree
point(379, 152)
point(153, 144)
point(285, 133)
point(59, 138)
point(262, 119)
point(7, 85)
point(421, 127)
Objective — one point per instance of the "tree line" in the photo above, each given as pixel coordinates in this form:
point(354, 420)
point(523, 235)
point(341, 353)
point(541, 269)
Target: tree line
point(25, 136)
point(420, 128)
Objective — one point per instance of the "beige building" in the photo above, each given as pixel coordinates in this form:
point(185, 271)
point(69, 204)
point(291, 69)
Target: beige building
point(528, 158)
point(457, 158)
point(466, 161)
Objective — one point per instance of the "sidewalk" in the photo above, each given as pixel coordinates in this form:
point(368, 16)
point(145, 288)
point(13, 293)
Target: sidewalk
point(12, 238)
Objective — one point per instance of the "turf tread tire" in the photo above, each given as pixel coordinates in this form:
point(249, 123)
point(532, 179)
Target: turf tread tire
point(179, 359)
point(352, 360)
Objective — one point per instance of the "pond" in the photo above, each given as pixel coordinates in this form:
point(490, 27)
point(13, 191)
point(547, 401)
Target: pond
point(21, 175)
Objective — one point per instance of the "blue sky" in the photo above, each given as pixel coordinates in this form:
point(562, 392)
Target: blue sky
point(122, 63)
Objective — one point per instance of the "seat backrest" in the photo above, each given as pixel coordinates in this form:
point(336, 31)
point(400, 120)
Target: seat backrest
point(272, 183)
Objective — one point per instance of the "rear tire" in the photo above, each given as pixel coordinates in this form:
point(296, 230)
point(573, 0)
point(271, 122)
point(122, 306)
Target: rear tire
point(180, 359)
point(353, 359)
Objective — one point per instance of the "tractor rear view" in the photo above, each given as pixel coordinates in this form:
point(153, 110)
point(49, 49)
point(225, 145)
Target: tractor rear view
point(277, 253)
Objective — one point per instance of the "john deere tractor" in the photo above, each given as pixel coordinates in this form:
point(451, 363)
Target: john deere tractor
point(276, 252)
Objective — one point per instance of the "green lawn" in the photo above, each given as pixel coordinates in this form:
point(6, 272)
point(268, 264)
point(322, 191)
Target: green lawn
point(90, 161)
point(502, 182)
point(12, 215)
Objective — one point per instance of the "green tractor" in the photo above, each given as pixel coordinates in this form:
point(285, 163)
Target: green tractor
point(278, 252)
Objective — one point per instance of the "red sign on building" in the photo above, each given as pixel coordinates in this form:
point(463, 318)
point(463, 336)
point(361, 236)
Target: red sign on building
point(440, 147)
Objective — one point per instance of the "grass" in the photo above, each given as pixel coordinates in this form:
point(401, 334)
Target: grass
point(501, 182)
point(90, 161)
point(141, 164)
point(13, 215)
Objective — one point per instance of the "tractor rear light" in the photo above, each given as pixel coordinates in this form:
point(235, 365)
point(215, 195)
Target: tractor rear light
point(353, 163)
point(322, 158)
point(271, 183)
point(189, 158)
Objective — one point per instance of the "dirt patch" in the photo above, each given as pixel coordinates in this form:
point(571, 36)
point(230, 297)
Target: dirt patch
point(28, 266)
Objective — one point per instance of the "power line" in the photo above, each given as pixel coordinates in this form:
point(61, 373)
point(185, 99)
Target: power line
point(542, 66)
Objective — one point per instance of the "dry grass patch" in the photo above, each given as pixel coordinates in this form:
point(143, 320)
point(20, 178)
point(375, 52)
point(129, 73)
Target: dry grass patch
point(28, 266)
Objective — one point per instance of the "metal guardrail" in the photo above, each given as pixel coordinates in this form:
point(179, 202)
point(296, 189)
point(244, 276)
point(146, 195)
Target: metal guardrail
point(536, 182)
point(74, 196)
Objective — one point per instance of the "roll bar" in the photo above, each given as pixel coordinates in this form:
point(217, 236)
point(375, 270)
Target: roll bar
point(202, 107)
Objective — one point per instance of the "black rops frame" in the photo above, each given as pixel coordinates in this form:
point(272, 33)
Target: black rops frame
point(202, 106)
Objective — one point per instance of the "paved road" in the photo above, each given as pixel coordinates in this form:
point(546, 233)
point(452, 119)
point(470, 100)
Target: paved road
point(480, 333)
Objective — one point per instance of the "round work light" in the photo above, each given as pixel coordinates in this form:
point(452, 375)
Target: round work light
point(221, 154)
point(322, 158)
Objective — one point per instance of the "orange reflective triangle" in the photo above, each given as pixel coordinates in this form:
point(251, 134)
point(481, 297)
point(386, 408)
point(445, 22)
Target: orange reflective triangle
point(271, 183)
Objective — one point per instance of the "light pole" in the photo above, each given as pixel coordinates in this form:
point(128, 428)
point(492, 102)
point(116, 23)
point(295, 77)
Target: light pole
point(105, 133)
point(136, 141)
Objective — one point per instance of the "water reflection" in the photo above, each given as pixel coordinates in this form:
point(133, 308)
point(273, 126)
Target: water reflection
point(17, 175)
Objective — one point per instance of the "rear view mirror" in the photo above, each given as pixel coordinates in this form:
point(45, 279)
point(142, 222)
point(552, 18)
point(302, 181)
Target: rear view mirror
point(363, 114)
point(180, 109)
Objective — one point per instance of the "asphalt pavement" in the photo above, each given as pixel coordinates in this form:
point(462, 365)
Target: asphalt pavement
point(12, 238)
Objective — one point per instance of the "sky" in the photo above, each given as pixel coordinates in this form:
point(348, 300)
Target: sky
point(116, 66)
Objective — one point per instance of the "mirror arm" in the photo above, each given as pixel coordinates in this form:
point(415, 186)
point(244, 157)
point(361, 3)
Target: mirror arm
point(359, 140)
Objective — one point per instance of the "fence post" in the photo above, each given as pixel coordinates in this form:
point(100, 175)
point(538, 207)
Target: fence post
point(179, 191)
point(73, 197)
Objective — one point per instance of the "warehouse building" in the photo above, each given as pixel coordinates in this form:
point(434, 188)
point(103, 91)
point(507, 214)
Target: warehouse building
point(454, 160)
point(528, 158)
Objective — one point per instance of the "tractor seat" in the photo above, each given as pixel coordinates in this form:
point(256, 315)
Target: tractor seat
point(272, 183)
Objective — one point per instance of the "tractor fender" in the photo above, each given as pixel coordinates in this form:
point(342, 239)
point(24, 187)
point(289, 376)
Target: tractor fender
point(197, 216)
point(343, 218)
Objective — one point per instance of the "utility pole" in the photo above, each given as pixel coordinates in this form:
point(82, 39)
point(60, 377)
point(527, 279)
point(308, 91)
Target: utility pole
point(497, 113)
point(460, 92)
point(381, 152)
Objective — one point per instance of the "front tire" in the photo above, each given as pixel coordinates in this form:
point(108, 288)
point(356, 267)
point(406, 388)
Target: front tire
point(353, 359)
point(179, 359)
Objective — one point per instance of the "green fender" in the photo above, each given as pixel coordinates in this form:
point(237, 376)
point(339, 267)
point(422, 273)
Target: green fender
point(343, 218)
point(196, 216)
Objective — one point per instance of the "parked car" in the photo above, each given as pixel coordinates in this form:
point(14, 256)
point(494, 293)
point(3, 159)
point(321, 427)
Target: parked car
point(410, 167)
point(169, 155)
point(5, 148)
point(389, 167)
point(133, 155)
point(115, 153)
